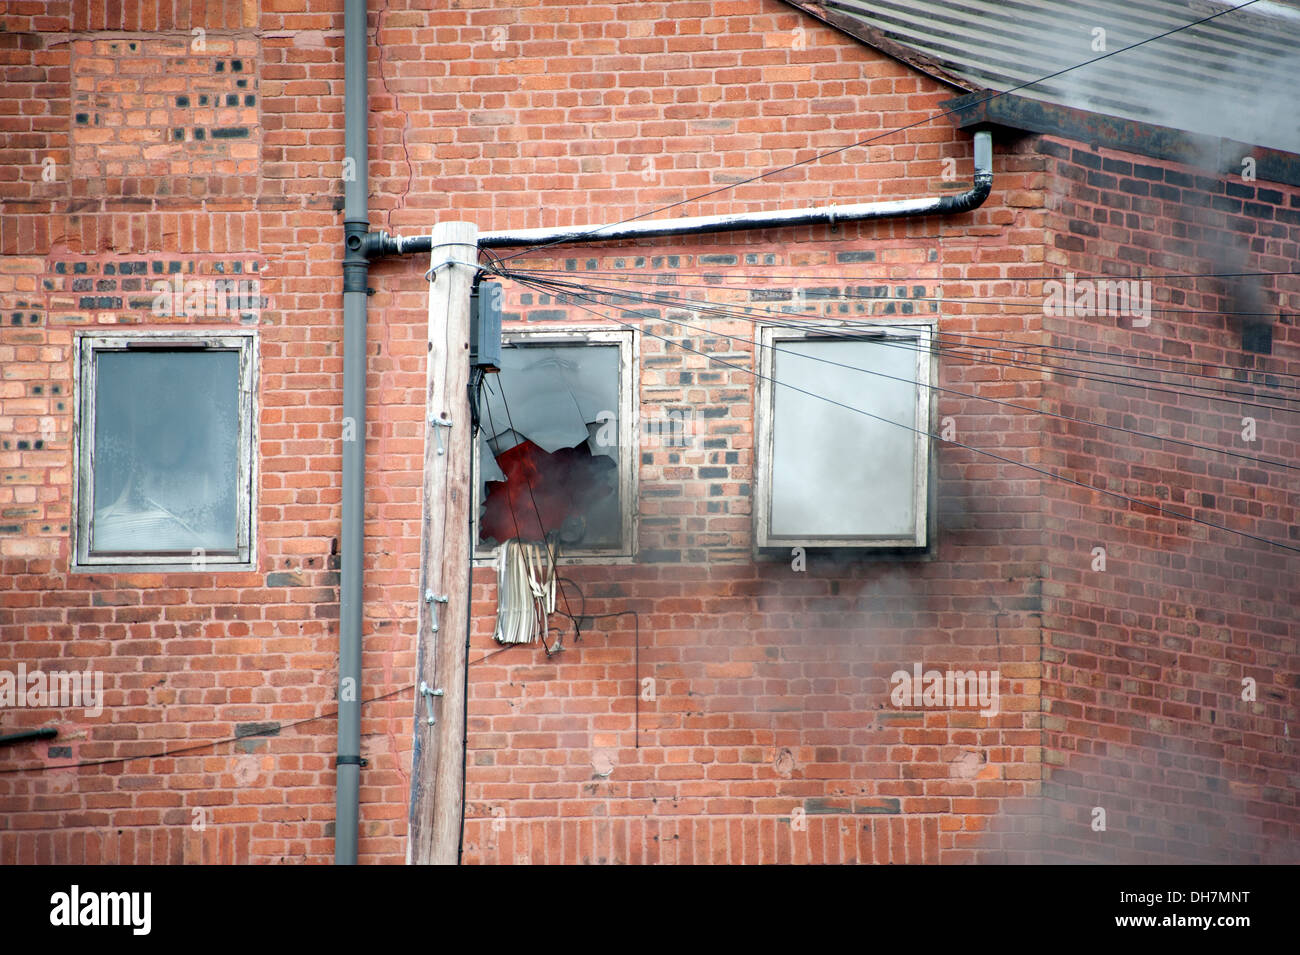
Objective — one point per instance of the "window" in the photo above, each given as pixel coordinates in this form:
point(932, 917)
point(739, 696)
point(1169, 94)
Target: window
point(828, 476)
point(165, 462)
point(556, 449)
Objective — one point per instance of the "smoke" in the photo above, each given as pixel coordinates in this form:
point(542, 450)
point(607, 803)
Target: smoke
point(1232, 77)
point(1199, 795)
point(1229, 84)
point(1121, 806)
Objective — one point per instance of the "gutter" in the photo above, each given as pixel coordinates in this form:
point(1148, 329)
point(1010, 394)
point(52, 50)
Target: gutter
point(361, 245)
point(1021, 114)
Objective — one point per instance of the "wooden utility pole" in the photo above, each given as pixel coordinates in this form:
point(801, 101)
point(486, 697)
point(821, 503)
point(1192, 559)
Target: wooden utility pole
point(438, 759)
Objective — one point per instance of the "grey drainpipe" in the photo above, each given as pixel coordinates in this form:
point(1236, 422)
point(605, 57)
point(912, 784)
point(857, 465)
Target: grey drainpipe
point(356, 267)
point(385, 244)
point(361, 245)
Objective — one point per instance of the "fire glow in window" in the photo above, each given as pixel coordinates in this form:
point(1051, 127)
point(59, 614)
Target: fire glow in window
point(554, 450)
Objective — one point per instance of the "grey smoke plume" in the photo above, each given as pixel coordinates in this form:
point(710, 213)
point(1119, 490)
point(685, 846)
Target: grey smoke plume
point(1229, 82)
point(1231, 78)
point(1127, 812)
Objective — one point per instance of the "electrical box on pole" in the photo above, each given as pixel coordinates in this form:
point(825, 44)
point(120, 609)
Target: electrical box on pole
point(485, 326)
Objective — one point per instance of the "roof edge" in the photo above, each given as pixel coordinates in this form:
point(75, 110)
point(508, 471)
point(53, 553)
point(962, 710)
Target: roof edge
point(1006, 110)
point(880, 41)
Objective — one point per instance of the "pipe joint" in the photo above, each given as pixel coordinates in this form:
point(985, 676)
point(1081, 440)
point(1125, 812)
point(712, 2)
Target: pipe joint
point(377, 244)
point(356, 263)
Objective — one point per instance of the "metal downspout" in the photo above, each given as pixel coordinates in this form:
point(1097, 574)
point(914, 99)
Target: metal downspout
point(356, 267)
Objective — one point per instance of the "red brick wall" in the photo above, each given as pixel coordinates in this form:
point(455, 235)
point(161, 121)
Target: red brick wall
point(771, 686)
point(164, 117)
point(34, 155)
point(1143, 663)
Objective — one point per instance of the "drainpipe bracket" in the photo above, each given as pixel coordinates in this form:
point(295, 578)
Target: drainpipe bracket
point(351, 761)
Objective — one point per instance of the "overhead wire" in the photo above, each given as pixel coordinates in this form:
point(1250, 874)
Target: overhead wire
point(1254, 459)
point(206, 744)
point(550, 555)
point(879, 136)
point(881, 280)
point(965, 339)
point(959, 346)
point(474, 394)
point(769, 273)
point(500, 262)
point(553, 559)
point(998, 457)
point(195, 747)
point(696, 304)
point(576, 621)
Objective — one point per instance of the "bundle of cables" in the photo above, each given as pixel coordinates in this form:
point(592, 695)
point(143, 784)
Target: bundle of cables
point(526, 591)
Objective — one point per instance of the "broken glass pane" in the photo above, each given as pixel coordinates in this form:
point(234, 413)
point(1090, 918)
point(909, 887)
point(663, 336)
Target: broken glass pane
point(166, 452)
point(555, 472)
point(836, 472)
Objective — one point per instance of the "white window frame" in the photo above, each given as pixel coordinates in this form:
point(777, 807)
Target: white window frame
point(921, 331)
point(628, 343)
point(88, 344)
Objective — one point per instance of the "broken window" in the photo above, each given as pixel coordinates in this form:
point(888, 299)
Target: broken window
point(555, 450)
point(830, 476)
point(165, 450)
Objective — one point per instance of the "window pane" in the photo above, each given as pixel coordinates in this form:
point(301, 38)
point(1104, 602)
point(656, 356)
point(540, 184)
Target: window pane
point(560, 461)
point(166, 451)
point(837, 472)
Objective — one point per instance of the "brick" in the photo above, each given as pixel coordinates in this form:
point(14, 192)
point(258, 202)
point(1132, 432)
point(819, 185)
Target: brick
point(771, 685)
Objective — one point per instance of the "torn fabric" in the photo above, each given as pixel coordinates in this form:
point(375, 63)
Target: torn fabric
point(525, 592)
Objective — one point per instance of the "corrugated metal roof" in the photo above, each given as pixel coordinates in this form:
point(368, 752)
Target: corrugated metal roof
point(1235, 76)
